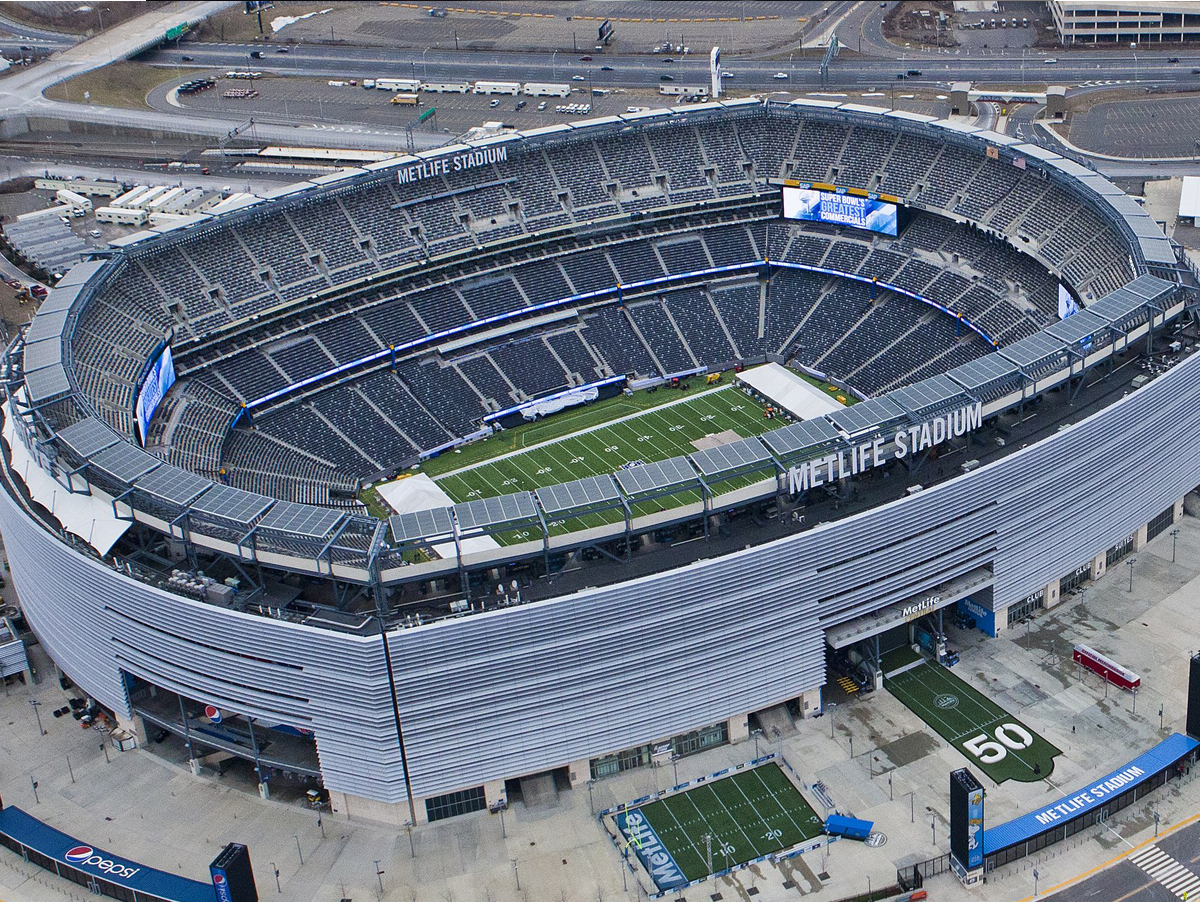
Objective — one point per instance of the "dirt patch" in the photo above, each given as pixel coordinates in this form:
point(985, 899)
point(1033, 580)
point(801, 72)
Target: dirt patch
point(911, 748)
point(122, 84)
point(923, 22)
point(716, 440)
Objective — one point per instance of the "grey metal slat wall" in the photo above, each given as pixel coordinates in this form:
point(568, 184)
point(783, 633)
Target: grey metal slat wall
point(521, 689)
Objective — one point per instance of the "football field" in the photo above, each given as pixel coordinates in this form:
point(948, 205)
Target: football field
point(668, 430)
point(736, 819)
point(991, 738)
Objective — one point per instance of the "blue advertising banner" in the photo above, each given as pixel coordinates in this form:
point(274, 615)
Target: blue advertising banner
point(985, 618)
point(1091, 797)
point(640, 837)
point(975, 829)
point(96, 862)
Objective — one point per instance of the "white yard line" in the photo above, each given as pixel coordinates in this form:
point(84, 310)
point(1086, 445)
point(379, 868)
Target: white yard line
point(604, 425)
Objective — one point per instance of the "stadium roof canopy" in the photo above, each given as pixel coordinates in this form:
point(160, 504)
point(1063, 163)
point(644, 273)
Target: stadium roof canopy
point(1079, 328)
point(223, 502)
point(869, 416)
point(930, 396)
point(1035, 352)
point(504, 510)
point(803, 438)
point(172, 485)
point(734, 458)
point(87, 437)
point(420, 526)
point(581, 494)
point(657, 477)
point(987, 376)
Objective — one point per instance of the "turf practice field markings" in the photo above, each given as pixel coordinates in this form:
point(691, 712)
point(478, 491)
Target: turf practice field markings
point(746, 817)
point(1002, 746)
point(775, 799)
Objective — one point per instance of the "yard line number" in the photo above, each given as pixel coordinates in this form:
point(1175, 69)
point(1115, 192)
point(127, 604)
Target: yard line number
point(1008, 736)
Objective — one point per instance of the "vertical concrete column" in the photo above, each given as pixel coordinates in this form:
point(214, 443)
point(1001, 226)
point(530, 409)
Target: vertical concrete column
point(810, 703)
point(580, 771)
point(1001, 621)
point(739, 727)
point(1139, 537)
point(1050, 595)
point(493, 792)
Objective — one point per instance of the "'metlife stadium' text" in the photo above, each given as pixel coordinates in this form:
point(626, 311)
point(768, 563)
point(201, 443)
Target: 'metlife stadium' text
point(868, 455)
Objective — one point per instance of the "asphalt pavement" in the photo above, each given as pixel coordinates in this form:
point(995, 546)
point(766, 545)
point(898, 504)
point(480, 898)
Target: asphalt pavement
point(642, 70)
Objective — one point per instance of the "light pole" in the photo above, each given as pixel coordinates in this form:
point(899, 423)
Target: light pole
point(675, 768)
point(299, 851)
point(891, 798)
point(379, 875)
point(868, 889)
point(1035, 880)
point(1160, 718)
point(278, 888)
point(517, 874)
point(912, 807)
point(35, 704)
point(424, 64)
point(591, 804)
point(932, 830)
point(756, 734)
point(1156, 820)
point(1131, 562)
point(411, 847)
point(851, 747)
point(34, 784)
point(104, 748)
point(1133, 47)
point(1175, 531)
point(553, 65)
point(503, 832)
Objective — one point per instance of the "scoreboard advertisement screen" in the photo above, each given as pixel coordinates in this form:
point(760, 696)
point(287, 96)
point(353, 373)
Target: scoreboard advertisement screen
point(811, 205)
point(159, 379)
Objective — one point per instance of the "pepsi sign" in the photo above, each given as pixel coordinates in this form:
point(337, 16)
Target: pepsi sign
point(89, 858)
point(221, 887)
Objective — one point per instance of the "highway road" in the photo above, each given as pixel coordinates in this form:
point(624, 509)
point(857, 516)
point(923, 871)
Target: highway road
point(647, 71)
point(13, 34)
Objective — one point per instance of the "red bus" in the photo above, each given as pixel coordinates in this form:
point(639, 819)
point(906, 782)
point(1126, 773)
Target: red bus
point(1106, 667)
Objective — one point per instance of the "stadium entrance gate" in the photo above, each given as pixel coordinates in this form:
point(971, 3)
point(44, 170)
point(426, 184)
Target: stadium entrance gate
point(914, 875)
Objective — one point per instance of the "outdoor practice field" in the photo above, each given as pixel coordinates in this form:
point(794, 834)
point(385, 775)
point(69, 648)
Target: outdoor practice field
point(667, 430)
point(748, 814)
point(1002, 746)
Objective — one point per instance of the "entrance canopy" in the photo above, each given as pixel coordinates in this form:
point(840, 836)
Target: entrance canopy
point(879, 622)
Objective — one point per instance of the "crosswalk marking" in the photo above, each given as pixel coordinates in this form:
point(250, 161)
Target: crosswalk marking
point(1175, 877)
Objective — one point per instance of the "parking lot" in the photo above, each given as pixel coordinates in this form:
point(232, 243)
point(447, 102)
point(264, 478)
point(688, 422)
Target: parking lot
point(1146, 128)
point(639, 25)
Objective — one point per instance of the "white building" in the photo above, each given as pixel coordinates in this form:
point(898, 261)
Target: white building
point(1126, 21)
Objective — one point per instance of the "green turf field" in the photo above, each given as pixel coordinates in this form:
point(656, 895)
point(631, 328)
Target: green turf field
point(647, 436)
point(991, 738)
point(748, 814)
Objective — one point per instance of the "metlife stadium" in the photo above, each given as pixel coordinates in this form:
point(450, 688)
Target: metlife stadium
point(351, 326)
